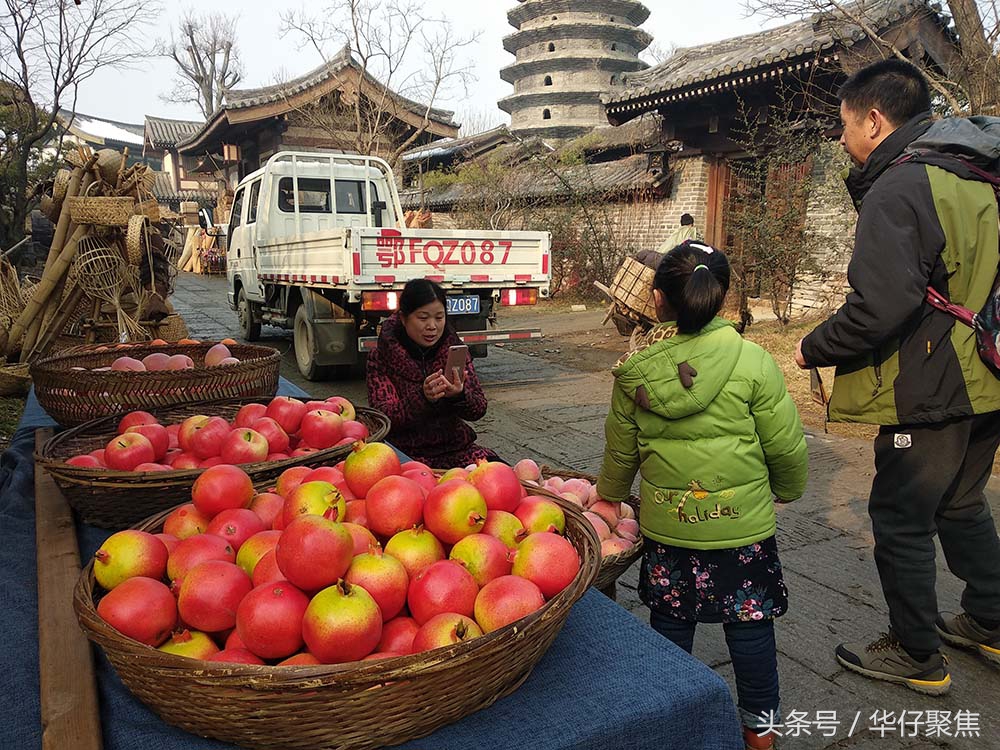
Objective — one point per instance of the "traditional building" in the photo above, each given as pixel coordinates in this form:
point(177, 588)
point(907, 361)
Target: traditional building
point(312, 112)
point(172, 183)
point(99, 132)
point(700, 93)
point(567, 54)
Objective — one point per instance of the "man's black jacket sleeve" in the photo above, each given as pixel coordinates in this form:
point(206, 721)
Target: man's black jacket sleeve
point(897, 243)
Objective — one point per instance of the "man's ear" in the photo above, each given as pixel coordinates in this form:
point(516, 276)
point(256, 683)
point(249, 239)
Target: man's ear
point(875, 121)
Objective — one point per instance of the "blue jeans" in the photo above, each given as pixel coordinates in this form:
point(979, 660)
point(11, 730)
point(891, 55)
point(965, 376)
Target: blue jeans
point(755, 661)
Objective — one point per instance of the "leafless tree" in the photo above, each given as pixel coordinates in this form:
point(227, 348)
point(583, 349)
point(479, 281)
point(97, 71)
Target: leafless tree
point(403, 55)
point(969, 84)
point(479, 120)
point(207, 58)
point(48, 49)
point(657, 53)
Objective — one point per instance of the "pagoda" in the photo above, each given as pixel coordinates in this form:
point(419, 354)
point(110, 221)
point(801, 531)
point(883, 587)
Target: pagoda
point(567, 53)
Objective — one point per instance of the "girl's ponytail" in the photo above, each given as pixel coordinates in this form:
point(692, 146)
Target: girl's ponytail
point(694, 278)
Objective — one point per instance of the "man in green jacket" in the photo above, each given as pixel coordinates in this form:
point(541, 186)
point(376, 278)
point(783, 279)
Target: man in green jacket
point(913, 371)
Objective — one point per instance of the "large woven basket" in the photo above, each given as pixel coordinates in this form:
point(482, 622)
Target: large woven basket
point(117, 499)
point(100, 210)
point(612, 566)
point(354, 706)
point(72, 397)
point(14, 380)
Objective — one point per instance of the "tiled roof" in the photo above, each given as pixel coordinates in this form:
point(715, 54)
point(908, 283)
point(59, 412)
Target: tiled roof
point(451, 146)
point(164, 133)
point(163, 191)
point(242, 98)
point(539, 182)
point(807, 36)
point(247, 98)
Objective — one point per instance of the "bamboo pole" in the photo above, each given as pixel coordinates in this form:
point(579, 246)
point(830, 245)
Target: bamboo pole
point(56, 326)
point(45, 287)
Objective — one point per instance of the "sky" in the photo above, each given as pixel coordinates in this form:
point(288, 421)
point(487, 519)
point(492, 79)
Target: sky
point(267, 57)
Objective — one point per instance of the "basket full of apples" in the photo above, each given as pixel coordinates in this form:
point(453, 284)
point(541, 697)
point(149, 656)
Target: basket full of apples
point(117, 470)
point(84, 383)
point(357, 605)
point(616, 524)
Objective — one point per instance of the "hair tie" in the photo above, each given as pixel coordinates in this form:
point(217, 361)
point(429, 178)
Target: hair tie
point(700, 265)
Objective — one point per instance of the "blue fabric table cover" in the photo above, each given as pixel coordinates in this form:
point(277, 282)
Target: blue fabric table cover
point(607, 682)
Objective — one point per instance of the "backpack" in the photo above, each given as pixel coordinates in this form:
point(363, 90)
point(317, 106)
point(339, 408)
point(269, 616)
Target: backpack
point(986, 322)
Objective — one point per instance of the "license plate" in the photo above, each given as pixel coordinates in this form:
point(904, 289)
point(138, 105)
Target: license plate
point(467, 304)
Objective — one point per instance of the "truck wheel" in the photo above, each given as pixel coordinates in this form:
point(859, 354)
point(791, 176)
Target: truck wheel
point(304, 341)
point(249, 327)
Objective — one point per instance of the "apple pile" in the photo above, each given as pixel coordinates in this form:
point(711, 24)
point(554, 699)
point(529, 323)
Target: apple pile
point(284, 428)
point(615, 523)
point(365, 560)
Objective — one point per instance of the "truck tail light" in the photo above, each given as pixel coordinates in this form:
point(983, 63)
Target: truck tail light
point(379, 301)
point(513, 297)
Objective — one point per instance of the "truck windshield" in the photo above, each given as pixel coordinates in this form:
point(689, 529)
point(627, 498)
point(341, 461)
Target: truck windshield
point(314, 196)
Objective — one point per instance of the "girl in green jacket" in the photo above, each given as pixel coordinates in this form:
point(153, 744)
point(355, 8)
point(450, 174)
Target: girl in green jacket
point(706, 420)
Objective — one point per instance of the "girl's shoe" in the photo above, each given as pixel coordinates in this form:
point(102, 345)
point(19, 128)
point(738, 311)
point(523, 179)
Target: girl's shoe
point(754, 741)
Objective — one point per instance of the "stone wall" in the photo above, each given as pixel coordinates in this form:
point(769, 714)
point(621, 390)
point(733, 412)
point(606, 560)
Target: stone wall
point(830, 220)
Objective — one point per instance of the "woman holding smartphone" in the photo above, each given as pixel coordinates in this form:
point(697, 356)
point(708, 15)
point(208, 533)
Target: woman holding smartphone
point(422, 377)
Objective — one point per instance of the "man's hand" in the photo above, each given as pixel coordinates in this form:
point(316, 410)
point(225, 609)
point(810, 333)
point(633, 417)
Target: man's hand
point(799, 359)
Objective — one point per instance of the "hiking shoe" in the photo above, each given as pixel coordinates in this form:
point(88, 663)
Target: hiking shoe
point(885, 659)
point(754, 741)
point(963, 631)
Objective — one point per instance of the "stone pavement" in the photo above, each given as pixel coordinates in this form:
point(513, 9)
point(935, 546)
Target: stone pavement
point(555, 415)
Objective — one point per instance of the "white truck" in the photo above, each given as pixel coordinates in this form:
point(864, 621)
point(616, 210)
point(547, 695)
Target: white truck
point(317, 244)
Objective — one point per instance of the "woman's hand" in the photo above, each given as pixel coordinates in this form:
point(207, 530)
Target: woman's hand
point(437, 386)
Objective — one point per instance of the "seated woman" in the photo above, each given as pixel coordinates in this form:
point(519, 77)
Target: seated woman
point(406, 381)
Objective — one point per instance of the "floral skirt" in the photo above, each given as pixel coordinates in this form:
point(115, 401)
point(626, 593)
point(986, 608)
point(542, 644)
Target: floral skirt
point(740, 584)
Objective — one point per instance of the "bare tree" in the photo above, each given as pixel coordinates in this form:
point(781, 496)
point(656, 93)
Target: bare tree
point(207, 58)
point(968, 84)
point(402, 54)
point(48, 49)
point(657, 53)
point(479, 120)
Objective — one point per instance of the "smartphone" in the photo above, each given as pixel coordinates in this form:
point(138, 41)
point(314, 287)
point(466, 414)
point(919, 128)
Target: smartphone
point(457, 356)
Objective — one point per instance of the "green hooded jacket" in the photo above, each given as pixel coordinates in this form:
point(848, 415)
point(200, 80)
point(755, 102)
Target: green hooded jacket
point(707, 421)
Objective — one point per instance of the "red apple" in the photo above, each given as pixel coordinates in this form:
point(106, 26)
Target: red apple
point(244, 446)
point(321, 429)
point(87, 462)
point(354, 430)
point(157, 436)
point(188, 429)
point(277, 457)
point(152, 467)
point(287, 412)
point(127, 451)
point(127, 364)
point(268, 506)
point(172, 433)
point(276, 437)
point(208, 463)
point(346, 408)
point(290, 479)
point(185, 461)
point(248, 414)
point(99, 455)
point(207, 442)
point(136, 418)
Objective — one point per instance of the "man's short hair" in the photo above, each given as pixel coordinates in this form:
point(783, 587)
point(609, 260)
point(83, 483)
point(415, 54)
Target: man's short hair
point(895, 88)
point(687, 220)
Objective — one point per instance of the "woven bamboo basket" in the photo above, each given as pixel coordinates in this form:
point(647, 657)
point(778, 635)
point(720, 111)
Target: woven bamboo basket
point(60, 185)
point(117, 499)
point(171, 328)
point(356, 706)
point(72, 397)
point(100, 210)
point(136, 242)
point(633, 288)
point(14, 380)
point(150, 209)
point(612, 566)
